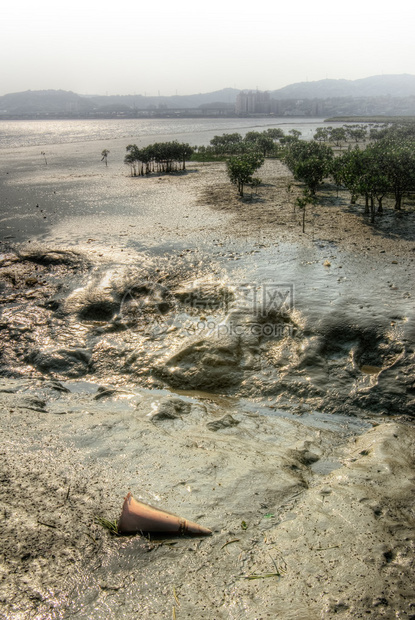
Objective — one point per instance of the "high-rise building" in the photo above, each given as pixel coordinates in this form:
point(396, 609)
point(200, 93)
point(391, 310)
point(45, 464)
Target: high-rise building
point(253, 102)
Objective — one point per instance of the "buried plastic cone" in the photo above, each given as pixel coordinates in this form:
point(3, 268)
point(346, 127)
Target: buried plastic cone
point(138, 517)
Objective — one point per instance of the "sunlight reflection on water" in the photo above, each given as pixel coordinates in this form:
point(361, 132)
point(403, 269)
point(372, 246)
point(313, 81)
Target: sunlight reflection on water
point(15, 134)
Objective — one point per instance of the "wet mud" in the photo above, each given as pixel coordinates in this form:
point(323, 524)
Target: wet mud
point(258, 382)
point(64, 316)
point(311, 516)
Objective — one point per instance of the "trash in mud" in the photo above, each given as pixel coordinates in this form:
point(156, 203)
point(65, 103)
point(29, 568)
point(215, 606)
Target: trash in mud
point(139, 517)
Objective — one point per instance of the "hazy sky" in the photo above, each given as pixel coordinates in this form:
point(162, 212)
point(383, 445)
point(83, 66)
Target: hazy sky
point(192, 46)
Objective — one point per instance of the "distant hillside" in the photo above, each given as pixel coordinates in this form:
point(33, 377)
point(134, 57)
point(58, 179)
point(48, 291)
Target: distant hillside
point(140, 102)
point(60, 103)
point(54, 102)
point(375, 86)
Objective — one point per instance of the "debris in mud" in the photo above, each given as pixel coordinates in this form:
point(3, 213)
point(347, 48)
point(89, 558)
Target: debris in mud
point(40, 256)
point(139, 517)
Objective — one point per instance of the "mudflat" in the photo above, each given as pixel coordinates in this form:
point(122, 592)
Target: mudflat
point(164, 337)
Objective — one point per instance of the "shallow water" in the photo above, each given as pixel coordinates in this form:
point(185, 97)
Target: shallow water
point(17, 134)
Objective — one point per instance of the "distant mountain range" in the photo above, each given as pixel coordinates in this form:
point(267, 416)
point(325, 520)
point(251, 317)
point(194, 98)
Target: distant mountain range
point(226, 96)
point(59, 103)
point(375, 86)
point(67, 103)
point(32, 102)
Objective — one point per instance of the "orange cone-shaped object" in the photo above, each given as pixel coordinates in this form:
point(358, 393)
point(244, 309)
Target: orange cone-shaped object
point(138, 517)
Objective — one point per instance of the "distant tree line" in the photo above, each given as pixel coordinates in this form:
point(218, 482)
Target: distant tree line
point(341, 135)
point(159, 157)
point(230, 144)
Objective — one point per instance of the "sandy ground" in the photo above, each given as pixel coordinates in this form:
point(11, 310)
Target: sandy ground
point(312, 515)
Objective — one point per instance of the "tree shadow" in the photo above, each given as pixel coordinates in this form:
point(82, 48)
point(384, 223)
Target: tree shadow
point(390, 224)
point(173, 173)
point(253, 198)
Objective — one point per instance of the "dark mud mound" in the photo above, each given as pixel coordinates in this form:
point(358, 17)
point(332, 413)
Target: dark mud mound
point(34, 286)
point(372, 368)
point(348, 368)
point(147, 301)
point(67, 258)
point(61, 362)
point(205, 365)
point(99, 311)
point(169, 408)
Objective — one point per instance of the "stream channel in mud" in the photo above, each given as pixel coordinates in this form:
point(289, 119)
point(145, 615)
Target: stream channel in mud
point(152, 344)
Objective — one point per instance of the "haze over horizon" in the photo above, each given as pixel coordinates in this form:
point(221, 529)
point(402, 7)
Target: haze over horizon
point(184, 48)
